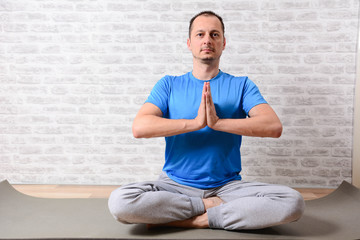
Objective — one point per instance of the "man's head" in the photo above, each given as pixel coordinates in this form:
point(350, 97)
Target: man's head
point(206, 37)
point(206, 13)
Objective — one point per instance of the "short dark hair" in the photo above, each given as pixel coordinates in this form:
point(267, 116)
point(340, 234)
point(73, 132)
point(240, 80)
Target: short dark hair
point(206, 13)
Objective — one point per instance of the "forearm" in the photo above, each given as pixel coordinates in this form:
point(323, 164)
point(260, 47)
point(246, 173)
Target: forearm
point(149, 126)
point(256, 127)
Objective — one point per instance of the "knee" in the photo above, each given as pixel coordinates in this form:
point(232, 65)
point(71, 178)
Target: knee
point(296, 206)
point(118, 206)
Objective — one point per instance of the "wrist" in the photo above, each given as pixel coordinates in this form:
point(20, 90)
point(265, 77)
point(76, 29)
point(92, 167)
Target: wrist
point(216, 124)
point(194, 125)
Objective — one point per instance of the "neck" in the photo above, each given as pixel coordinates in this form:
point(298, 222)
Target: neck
point(205, 71)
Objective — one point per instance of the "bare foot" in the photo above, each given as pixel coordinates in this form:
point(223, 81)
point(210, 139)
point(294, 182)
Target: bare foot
point(200, 221)
point(212, 202)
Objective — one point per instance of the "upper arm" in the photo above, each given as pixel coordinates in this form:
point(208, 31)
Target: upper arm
point(149, 109)
point(263, 109)
point(159, 97)
point(268, 119)
point(140, 123)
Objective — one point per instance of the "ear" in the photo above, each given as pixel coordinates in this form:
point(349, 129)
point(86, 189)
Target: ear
point(224, 43)
point(188, 43)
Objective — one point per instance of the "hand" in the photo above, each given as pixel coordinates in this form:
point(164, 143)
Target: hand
point(211, 116)
point(206, 113)
point(201, 117)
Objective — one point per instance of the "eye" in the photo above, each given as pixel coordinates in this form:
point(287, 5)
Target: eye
point(215, 35)
point(199, 34)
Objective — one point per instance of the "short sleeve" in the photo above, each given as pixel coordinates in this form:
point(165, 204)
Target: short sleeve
point(159, 95)
point(251, 96)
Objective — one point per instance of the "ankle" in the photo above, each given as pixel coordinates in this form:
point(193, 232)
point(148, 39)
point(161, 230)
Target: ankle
point(201, 221)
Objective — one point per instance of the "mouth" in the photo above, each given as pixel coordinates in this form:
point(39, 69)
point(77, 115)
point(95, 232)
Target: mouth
point(207, 50)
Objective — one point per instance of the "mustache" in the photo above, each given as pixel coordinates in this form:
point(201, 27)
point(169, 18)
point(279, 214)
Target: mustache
point(207, 47)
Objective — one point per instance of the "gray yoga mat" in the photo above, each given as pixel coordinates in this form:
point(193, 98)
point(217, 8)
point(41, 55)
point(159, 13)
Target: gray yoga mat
point(335, 216)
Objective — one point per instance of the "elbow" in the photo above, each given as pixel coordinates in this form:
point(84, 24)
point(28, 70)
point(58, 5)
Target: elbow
point(136, 135)
point(137, 132)
point(277, 131)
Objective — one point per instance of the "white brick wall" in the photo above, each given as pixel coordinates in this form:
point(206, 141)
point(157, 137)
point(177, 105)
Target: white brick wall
point(73, 74)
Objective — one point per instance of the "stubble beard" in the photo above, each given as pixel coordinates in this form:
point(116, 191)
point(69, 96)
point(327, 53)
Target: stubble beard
point(206, 59)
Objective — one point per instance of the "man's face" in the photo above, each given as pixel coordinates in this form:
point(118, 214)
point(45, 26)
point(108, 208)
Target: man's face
point(207, 39)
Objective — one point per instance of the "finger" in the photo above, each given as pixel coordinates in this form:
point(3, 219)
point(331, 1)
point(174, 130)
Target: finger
point(208, 101)
point(204, 87)
point(208, 92)
point(203, 95)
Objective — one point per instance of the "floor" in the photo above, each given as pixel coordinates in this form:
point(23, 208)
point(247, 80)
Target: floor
point(85, 191)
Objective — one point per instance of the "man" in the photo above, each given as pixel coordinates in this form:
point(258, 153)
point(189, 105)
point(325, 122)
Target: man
point(203, 114)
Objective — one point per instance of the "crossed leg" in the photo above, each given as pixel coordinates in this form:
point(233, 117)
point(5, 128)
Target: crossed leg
point(234, 206)
point(200, 221)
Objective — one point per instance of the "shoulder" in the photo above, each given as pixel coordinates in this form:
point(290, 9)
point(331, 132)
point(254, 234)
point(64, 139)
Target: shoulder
point(173, 78)
point(235, 78)
point(239, 81)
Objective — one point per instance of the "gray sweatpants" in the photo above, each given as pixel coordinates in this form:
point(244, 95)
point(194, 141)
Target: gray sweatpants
point(247, 205)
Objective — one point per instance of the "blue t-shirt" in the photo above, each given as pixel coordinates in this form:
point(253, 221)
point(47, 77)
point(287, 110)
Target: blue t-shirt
point(205, 158)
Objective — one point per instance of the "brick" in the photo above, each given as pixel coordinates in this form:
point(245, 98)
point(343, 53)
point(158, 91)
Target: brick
point(245, 27)
point(312, 152)
point(334, 121)
point(326, 173)
point(89, 7)
point(69, 17)
point(333, 37)
point(334, 4)
point(329, 69)
point(17, 28)
point(284, 162)
point(313, 59)
point(287, 90)
point(303, 122)
point(24, 49)
point(122, 110)
point(327, 111)
point(342, 152)
point(30, 150)
point(310, 162)
point(325, 90)
point(336, 163)
point(53, 150)
point(345, 47)
point(347, 173)
point(253, 16)
point(56, 6)
point(348, 58)
point(154, 27)
point(258, 171)
point(291, 173)
point(122, 6)
point(260, 69)
point(29, 17)
point(315, 48)
point(329, 143)
point(328, 132)
point(251, 37)
point(279, 152)
point(281, 16)
point(351, 69)
point(295, 70)
point(307, 27)
point(307, 16)
point(240, 5)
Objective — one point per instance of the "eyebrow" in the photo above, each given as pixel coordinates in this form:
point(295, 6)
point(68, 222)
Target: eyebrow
point(201, 30)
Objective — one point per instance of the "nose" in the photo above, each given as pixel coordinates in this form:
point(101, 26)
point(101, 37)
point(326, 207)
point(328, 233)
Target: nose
point(207, 39)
